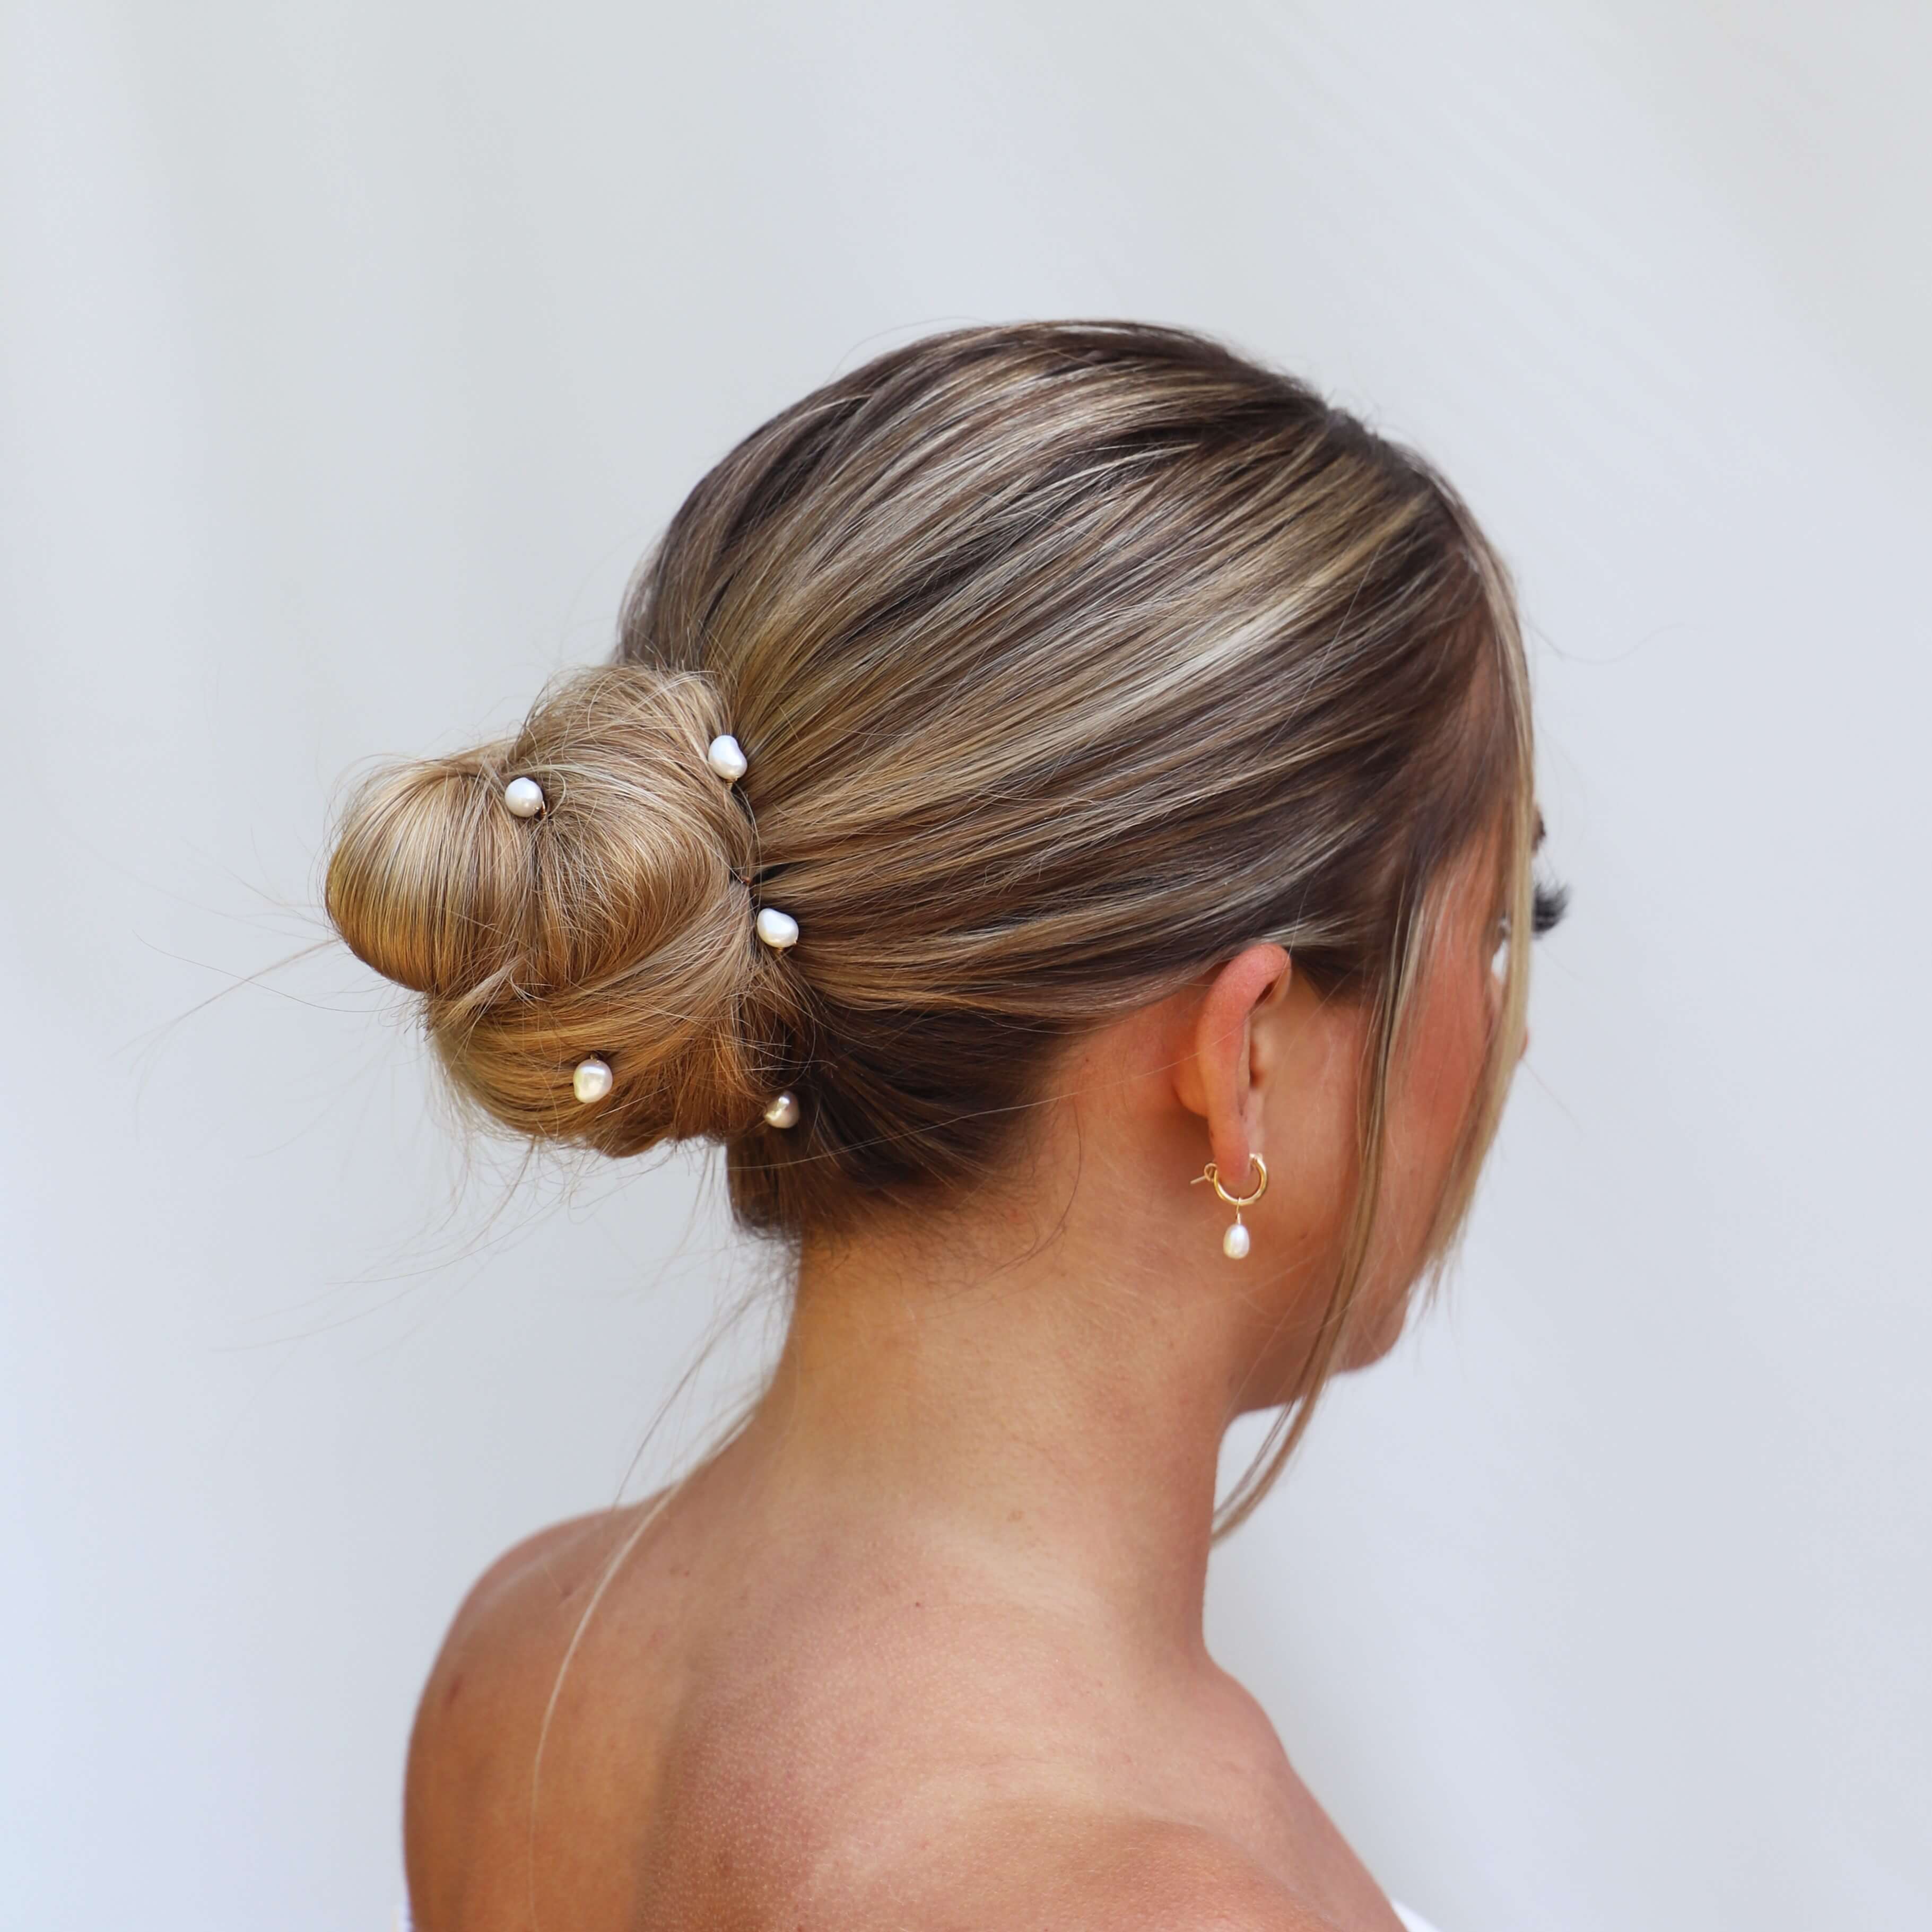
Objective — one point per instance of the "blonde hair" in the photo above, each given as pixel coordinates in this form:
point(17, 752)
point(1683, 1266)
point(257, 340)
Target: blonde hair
point(1069, 659)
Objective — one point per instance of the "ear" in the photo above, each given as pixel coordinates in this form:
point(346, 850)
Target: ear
point(1224, 1078)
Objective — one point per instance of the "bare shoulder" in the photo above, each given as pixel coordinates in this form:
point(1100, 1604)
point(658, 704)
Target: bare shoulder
point(533, 1585)
point(473, 1749)
point(1183, 1878)
point(740, 1752)
point(517, 1621)
point(1079, 1872)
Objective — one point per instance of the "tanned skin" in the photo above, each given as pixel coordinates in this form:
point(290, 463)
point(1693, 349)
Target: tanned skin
point(922, 1647)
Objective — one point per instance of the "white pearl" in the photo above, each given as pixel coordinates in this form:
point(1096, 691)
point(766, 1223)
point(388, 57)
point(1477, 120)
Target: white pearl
point(592, 1080)
point(783, 1112)
point(777, 929)
point(524, 796)
point(727, 758)
point(1234, 1243)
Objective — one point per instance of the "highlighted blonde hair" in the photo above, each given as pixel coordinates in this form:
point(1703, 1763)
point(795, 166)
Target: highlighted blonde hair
point(1069, 659)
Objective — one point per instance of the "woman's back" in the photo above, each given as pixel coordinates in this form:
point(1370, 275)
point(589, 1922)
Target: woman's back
point(768, 1724)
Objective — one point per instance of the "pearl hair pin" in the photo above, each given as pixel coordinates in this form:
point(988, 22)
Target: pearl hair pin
point(524, 796)
point(727, 758)
point(592, 1080)
point(777, 929)
point(783, 1112)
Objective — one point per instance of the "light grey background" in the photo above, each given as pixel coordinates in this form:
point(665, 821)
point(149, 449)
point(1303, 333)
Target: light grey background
point(352, 353)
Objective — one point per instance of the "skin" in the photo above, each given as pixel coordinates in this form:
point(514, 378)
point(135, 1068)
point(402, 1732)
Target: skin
point(922, 1647)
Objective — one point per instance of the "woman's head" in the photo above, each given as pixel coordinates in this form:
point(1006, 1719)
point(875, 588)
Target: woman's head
point(1070, 659)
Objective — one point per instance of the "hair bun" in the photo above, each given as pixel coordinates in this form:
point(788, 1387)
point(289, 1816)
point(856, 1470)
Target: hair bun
point(615, 923)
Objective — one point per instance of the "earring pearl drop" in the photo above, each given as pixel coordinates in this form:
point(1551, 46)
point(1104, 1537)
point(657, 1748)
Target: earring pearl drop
point(592, 1080)
point(524, 797)
point(1236, 1242)
point(783, 1112)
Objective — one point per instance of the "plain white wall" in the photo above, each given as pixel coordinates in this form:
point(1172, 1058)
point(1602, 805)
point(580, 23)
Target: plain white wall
point(352, 354)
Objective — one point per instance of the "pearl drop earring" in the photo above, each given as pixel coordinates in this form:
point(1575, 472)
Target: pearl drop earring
point(592, 1080)
point(1235, 1244)
point(783, 1112)
point(524, 796)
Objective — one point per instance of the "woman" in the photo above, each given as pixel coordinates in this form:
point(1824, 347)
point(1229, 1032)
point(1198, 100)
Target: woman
point(1056, 817)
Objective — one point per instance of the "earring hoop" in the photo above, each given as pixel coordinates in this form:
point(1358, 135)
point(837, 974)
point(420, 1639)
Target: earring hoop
point(1212, 1175)
point(1235, 1243)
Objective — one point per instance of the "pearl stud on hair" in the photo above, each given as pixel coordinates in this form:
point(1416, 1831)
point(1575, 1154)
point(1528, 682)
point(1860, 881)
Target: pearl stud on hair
point(727, 758)
point(524, 796)
point(783, 1112)
point(777, 929)
point(592, 1080)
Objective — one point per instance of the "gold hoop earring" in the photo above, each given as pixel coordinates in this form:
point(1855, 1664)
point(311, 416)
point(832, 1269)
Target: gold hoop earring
point(1234, 1243)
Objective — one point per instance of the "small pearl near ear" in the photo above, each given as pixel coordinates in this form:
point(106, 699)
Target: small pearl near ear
point(727, 758)
point(1234, 1243)
point(783, 1112)
point(777, 929)
point(524, 796)
point(592, 1080)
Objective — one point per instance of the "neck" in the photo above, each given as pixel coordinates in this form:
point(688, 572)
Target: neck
point(1046, 1399)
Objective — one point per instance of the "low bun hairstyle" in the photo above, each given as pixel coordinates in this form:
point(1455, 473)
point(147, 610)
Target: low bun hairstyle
point(1069, 659)
point(615, 924)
